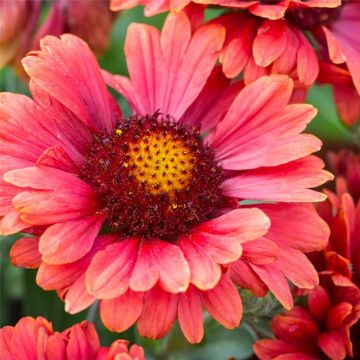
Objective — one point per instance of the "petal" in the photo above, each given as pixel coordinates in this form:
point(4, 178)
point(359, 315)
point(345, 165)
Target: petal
point(337, 315)
point(223, 302)
point(190, 314)
point(159, 313)
point(332, 344)
point(204, 272)
point(270, 42)
point(276, 282)
point(318, 302)
point(160, 260)
point(67, 242)
point(268, 349)
point(244, 276)
point(110, 270)
point(287, 226)
point(67, 70)
point(77, 298)
point(288, 182)
point(260, 251)
point(11, 223)
point(25, 253)
point(120, 313)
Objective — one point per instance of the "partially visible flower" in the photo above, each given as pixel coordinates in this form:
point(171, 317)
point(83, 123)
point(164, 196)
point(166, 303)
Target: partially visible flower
point(34, 338)
point(346, 163)
point(319, 331)
point(20, 31)
point(18, 22)
point(272, 9)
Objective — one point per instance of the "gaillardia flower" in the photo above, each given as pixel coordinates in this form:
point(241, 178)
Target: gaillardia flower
point(165, 182)
point(34, 338)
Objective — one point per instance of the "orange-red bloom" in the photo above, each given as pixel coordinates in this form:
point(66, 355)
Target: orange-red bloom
point(34, 338)
point(320, 331)
point(169, 197)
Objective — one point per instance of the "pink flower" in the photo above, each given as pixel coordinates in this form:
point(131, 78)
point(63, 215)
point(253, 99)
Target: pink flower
point(170, 198)
point(34, 338)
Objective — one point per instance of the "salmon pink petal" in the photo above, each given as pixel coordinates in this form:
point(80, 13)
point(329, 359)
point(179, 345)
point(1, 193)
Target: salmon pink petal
point(271, 11)
point(347, 102)
point(25, 253)
point(159, 313)
point(335, 50)
point(318, 302)
point(120, 313)
point(60, 60)
point(201, 53)
point(11, 223)
point(83, 342)
point(276, 282)
point(270, 42)
point(110, 270)
point(67, 242)
point(223, 302)
point(160, 260)
point(190, 315)
point(307, 62)
point(244, 276)
point(6, 334)
point(288, 182)
point(204, 272)
point(297, 268)
point(77, 298)
point(260, 251)
point(332, 344)
point(287, 226)
point(142, 50)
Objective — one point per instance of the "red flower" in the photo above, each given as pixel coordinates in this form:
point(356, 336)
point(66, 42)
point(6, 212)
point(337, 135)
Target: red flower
point(319, 331)
point(169, 197)
point(34, 338)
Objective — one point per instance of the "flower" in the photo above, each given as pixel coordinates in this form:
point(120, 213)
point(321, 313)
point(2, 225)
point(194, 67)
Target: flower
point(272, 9)
point(34, 338)
point(18, 21)
point(169, 197)
point(320, 330)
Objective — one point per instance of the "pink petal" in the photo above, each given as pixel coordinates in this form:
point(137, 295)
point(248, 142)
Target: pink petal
point(276, 282)
point(25, 253)
point(223, 303)
point(260, 251)
point(204, 272)
point(244, 276)
point(77, 298)
point(11, 223)
point(160, 260)
point(287, 226)
point(67, 70)
point(347, 102)
point(120, 313)
point(288, 182)
point(110, 270)
point(318, 302)
point(159, 313)
point(270, 42)
point(67, 242)
point(190, 315)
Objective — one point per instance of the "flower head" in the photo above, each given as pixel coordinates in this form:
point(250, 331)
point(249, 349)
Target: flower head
point(34, 338)
point(168, 196)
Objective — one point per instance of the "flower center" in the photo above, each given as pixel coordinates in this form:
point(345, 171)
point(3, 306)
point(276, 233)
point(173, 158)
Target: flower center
point(308, 18)
point(155, 178)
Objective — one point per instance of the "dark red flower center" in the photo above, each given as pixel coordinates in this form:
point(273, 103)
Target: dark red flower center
point(308, 18)
point(155, 178)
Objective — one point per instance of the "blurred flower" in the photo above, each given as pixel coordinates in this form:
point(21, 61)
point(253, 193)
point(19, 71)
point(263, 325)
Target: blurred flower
point(346, 164)
point(169, 197)
point(18, 21)
point(271, 9)
point(320, 330)
point(34, 338)
point(21, 32)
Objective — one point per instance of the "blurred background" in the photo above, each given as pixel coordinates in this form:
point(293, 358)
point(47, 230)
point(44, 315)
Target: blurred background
point(19, 295)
